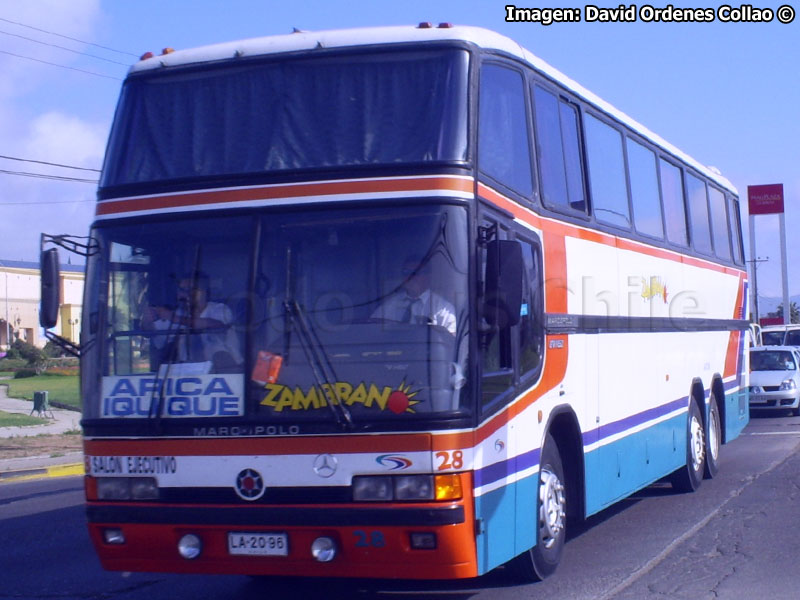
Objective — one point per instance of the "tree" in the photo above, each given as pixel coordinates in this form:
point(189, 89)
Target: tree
point(794, 312)
point(36, 358)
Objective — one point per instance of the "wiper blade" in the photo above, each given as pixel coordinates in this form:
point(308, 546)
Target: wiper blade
point(320, 363)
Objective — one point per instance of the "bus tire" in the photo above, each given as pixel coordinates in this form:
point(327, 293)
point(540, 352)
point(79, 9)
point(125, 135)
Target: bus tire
point(713, 439)
point(689, 477)
point(542, 560)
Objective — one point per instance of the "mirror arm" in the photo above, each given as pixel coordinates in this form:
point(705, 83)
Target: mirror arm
point(65, 344)
point(72, 244)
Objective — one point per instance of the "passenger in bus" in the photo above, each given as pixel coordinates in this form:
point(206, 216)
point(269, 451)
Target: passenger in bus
point(415, 301)
point(198, 330)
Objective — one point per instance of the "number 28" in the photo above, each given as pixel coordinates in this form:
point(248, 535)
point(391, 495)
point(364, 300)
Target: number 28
point(450, 460)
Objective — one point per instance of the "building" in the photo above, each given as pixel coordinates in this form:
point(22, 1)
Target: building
point(20, 286)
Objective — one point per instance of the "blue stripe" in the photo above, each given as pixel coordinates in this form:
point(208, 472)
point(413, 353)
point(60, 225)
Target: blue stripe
point(632, 421)
point(506, 468)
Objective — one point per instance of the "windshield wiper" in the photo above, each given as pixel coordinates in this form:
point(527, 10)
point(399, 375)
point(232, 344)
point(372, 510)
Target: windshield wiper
point(319, 362)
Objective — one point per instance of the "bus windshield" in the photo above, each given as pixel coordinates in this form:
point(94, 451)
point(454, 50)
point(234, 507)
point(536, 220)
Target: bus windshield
point(287, 317)
point(326, 111)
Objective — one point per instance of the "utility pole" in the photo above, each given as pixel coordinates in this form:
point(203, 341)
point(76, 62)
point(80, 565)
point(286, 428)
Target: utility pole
point(8, 328)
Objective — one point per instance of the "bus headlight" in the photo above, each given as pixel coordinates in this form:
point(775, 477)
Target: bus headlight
point(372, 489)
point(406, 488)
point(413, 487)
point(127, 488)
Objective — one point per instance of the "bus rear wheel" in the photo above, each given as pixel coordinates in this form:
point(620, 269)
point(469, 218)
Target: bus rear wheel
point(689, 477)
point(542, 560)
point(713, 439)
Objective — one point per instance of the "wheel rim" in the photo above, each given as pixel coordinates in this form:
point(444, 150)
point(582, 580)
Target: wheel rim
point(713, 433)
point(552, 503)
point(697, 443)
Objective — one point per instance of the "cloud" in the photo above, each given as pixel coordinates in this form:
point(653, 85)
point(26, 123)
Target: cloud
point(38, 122)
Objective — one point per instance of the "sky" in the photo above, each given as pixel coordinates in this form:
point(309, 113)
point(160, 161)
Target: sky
point(726, 93)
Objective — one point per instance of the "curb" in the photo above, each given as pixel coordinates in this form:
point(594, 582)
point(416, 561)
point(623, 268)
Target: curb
point(67, 470)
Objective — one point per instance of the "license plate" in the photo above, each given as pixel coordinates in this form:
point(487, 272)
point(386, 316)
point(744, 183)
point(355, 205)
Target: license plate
point(258, 544)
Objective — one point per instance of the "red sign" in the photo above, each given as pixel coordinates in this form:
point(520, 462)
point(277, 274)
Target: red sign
point(764, 321)
point(765, 199)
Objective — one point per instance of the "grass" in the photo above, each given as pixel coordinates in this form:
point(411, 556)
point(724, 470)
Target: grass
point(19, 420)
point(64, 389)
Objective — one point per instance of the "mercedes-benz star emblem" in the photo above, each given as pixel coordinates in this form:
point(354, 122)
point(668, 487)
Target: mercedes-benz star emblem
point(325, 465)
point(249, 485)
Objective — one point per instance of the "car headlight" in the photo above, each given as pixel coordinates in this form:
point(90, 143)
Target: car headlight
point(788, 384)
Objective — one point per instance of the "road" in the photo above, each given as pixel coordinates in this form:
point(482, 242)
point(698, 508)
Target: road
point(737, 537)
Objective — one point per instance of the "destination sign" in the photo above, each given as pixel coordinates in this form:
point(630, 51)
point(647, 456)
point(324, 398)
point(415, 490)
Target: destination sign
point(187, 396)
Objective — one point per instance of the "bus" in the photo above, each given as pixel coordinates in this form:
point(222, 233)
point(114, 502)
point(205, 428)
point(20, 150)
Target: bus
point(572, 288)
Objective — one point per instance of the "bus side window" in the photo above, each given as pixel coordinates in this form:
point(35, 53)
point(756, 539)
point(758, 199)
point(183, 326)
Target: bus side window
point(503, 144)
point(496, 357)
point(674, 208)
point(735, 227)
point(558, 151)
point(606, 173)
point(531, 331)
point(644, 190)
point(697, 201)
point(719, 223)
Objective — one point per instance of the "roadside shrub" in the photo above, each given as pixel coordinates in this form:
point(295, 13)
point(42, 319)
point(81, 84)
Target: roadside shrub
point(29, 352)
point(12, 364)
point(23, 373)
point(62, 371)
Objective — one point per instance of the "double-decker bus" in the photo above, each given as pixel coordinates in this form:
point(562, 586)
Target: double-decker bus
point(397, 303)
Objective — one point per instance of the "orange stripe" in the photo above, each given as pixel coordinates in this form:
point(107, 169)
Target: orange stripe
point(599, 237)
point(732, 355)
point(455, 184)
point(345, 444)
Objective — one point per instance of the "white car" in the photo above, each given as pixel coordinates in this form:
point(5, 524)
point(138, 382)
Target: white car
point(775, 378)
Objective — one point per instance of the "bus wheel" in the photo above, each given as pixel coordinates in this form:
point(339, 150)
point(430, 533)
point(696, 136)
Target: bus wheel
point(713, 439)
point(542, 560)
point(689, 477)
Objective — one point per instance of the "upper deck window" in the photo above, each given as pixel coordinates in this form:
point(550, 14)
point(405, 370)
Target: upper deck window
point(558, 150)
point(503, 142)
point(327, 111)
point(607, 173)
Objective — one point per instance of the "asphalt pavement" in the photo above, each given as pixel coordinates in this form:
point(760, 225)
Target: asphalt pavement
point(58, 421)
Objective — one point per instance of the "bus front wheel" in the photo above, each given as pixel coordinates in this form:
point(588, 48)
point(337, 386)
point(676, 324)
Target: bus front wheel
point(542, 560)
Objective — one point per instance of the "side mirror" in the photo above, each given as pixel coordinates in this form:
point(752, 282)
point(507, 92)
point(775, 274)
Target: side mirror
point(504, 269)
point(50, 296)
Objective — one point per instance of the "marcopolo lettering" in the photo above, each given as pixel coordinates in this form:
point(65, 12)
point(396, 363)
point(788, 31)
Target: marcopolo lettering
point(196, 396)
